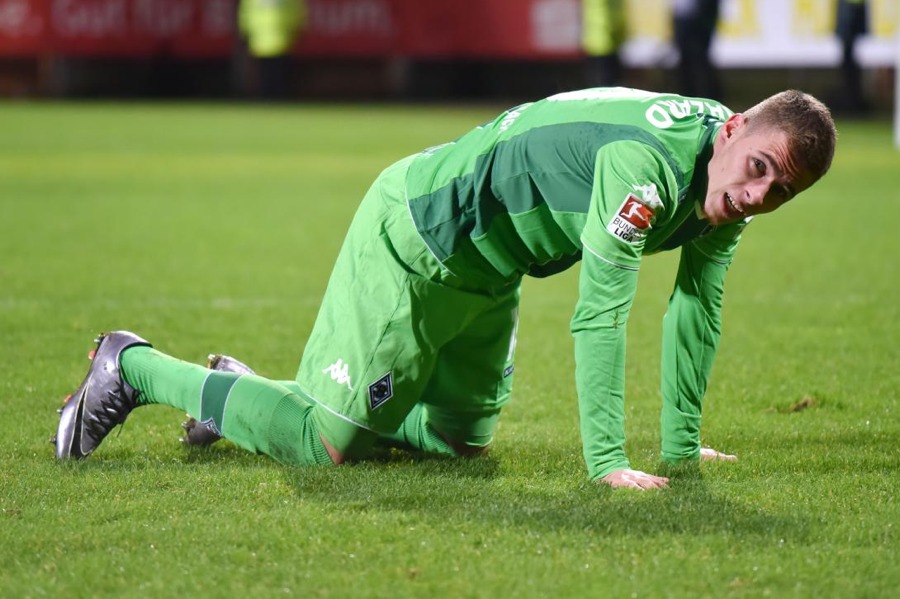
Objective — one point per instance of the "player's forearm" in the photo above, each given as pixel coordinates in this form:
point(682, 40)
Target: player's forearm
point(598, 326)
point(691, 331)
point(599, 378)
point(685, 370)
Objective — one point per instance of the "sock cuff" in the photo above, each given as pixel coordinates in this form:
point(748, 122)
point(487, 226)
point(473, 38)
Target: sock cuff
point(129, 360)
point(293, 435)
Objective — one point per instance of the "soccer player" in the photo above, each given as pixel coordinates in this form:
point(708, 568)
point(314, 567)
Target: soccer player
point(416, 335)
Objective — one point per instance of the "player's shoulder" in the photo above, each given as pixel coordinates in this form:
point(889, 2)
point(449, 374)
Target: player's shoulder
point(641, 164)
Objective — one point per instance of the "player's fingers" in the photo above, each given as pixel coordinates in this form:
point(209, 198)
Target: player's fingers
point(620, 480)
point(648, 481)
point(624, 482)
point(709, 454)
point(634, 479)
point(656, 482)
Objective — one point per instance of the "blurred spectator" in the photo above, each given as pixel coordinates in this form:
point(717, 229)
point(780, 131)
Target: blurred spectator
point(851, 24)
point(602, 36)
point(271, 28)
point(694, 24)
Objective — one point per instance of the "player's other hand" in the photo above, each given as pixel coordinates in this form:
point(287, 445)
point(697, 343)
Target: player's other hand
point(634, 479)
point(708, 454)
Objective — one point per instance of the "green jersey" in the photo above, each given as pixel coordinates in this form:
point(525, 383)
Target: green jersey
point(604, 176)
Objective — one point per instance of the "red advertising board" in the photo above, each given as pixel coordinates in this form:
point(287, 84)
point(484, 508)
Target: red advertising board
point(22, 27)
point(442, 28)
point(337, 28)
point(139, 27)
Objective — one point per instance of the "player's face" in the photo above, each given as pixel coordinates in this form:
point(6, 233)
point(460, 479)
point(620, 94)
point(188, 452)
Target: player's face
point(750, 172)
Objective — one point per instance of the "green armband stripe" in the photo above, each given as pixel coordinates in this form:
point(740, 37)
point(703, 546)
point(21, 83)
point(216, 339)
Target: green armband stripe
point(214, 396)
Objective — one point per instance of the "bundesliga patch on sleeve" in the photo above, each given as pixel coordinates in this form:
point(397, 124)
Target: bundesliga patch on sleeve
point(632, 220)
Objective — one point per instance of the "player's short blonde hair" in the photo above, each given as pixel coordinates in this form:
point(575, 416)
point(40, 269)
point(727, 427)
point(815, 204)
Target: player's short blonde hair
point(807, 123)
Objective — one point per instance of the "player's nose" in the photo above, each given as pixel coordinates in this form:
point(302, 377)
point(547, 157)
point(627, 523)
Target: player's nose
point(756, 191)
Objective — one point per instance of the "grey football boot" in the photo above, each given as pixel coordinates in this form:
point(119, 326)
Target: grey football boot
point(204, 433)
point(102, 402)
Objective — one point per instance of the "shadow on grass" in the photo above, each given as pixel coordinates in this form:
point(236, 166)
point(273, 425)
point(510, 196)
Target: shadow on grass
point(448, 491)
point(544, 492)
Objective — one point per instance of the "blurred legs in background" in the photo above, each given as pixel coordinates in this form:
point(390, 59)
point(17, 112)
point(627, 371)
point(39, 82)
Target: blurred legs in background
point(694, 24)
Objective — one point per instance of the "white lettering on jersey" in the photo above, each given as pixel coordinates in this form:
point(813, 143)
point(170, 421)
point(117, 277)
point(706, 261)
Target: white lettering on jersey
point(662, 113)
point(512, 115)
point(340, 373)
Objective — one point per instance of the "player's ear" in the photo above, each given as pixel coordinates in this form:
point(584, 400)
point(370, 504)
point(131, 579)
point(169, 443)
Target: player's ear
point(734, 124)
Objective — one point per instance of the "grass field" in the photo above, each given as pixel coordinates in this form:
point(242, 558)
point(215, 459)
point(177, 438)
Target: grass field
point(213, 228)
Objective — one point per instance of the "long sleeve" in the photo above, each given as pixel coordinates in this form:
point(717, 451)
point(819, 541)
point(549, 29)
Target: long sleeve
point(631, 191)
point(691, 330)
point(599, 325)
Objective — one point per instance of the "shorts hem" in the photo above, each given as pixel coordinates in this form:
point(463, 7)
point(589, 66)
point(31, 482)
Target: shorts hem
point(334, 412)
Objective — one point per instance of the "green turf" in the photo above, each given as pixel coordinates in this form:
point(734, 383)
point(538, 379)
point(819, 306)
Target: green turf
point(213, 228)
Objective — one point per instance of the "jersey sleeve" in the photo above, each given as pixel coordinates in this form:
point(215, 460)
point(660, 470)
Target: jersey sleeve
point(691, 331)
point(633, 187)
point(631, 184)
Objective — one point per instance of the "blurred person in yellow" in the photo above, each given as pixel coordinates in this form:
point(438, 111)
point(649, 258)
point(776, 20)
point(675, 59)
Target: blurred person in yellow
point(603, 32)
point(271, 28)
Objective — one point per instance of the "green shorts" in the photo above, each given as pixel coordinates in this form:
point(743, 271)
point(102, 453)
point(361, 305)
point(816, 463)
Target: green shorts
point(396, 328)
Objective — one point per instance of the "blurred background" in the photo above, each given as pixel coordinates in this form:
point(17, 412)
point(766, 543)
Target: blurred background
point(290, 50)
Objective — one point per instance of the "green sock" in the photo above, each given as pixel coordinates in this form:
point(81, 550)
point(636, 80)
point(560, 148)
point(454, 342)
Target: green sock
point(257, 414)
point(162, 379)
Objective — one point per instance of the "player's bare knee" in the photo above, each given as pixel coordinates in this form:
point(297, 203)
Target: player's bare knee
point(336, 456)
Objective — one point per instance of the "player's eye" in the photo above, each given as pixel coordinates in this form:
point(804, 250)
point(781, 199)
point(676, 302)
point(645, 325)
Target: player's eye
point(759, 165)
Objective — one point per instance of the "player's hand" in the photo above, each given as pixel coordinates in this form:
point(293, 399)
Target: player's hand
point(708, 454)
point(634, 479)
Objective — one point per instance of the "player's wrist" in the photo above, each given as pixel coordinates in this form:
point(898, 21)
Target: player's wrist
point(676, 453)
point(599, 472)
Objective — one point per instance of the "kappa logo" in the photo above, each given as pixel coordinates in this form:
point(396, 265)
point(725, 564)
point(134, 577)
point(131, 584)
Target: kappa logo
point(340, 373)
point(649, 195)
point(632, 221)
